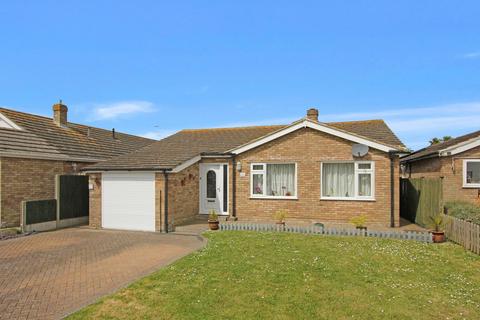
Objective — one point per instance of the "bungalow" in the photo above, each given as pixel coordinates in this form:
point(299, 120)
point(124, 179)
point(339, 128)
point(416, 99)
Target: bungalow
point(315, 171)
point(456, 161)
point(34, 149)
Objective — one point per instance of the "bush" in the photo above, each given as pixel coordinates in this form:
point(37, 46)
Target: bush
point(464, 210)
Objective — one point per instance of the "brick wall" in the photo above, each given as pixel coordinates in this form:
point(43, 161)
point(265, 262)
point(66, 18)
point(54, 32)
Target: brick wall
point(183, 194)
point(450, 169)
point(95, 198)
point(27, 179)
point(308, 148)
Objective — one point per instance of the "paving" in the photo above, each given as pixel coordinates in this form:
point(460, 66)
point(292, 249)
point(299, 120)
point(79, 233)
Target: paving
point(51, 274)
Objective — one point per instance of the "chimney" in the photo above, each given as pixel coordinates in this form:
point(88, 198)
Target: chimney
point(60, 114)
point(312, 114)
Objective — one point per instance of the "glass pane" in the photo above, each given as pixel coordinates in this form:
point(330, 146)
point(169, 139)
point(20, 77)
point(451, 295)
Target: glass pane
point(364, 185)
point(257, 167)
point(338, 180)
point(211, 184)
point(258, 184)
point(281, 180)
point(473, 172)
point(364, 166)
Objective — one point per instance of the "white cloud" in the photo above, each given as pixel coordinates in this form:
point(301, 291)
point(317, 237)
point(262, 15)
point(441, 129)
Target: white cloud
point(472, 55)
point(119, 109)
point(157, 134)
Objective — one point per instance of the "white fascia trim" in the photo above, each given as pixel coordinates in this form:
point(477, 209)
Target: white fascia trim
point(186, 164)
point(459, 148)
point(315, 126)
point(10, 122)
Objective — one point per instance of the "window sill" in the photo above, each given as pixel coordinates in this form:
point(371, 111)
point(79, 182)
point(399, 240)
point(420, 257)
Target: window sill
point(273, 198)
point(348, 199)
point(471, 186)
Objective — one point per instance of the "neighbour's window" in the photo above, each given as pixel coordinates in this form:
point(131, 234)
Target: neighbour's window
point(273, 180)
point(471, 173)
point(348, 180)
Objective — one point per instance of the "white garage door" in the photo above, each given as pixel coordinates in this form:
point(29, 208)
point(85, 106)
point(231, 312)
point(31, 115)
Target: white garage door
point(128, 200)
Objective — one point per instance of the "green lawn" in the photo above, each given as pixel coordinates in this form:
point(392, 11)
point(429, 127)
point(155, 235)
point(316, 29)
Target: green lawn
point(245, 275)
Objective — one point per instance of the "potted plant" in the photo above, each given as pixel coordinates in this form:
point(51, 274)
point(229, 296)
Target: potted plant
point(438, 234)
point(279, 217)
point(213, 220)
point(359, 222)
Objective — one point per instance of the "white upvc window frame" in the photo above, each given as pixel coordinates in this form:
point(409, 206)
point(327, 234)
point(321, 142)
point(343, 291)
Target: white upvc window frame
point(464, 176)
point(264, 173)
point(357, 172)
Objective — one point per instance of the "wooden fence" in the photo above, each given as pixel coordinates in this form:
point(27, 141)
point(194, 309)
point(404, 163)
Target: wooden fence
point(466, 234)
point(420, 200)
point(390, 234)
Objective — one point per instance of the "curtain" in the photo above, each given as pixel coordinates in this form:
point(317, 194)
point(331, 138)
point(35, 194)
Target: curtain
point(473, 172)
point(280, 180)
point(364, 184)
point(338, 180)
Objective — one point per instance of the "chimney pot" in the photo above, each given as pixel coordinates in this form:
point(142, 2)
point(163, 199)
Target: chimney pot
point(312, 114)
point(60, 114)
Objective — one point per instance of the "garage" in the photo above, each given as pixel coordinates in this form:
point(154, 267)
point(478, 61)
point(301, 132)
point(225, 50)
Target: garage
point(128, 200)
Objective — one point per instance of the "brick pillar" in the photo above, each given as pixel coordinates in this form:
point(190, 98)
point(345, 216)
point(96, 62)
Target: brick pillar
point(95, 181)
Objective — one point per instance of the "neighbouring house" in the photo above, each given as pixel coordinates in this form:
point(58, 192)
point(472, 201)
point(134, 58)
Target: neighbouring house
point(456, 162)
point(34, 149)
point(316, 172)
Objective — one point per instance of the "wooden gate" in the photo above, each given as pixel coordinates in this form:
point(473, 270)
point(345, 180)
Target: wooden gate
point(421, 199)
point(72, 196)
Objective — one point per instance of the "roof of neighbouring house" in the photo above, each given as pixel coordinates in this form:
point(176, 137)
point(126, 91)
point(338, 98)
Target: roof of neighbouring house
point(435, 149)
point(41, 138)
point(187, 144)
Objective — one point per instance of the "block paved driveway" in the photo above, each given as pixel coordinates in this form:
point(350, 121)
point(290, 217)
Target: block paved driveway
point(49, 275)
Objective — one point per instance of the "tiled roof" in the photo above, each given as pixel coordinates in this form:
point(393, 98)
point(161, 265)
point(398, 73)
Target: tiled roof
point(434, 149)
point(186, 144)
point(42, 138)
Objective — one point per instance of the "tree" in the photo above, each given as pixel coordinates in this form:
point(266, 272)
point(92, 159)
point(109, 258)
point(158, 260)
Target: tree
point(436, 140)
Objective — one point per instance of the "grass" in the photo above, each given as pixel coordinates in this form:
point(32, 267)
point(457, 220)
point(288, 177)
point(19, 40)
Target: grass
point(464, 210)
point(245, 275)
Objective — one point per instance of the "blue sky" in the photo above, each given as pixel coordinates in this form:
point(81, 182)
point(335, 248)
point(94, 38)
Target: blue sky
point(154, 67)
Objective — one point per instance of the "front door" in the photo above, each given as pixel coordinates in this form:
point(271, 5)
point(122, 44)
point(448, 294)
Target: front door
point(213, 188)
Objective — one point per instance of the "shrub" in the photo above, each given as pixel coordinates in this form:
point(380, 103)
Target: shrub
point(213, 215)
point(359, 221)
point(464, 210)
point(280, 215)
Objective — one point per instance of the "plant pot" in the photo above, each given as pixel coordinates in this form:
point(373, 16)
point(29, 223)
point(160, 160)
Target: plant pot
point(280, 223)
point(213, 225)
point(438, 236)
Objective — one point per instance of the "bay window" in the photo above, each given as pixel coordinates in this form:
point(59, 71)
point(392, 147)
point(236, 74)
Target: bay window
point(348, 180)
point(471, 173)
point(276, 180)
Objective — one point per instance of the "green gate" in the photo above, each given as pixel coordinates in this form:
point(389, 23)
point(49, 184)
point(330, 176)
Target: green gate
point(421, 199)
point(72, 196)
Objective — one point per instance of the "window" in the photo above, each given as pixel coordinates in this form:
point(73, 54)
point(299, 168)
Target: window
point(471, 173)
point(273, 180)
point(348, 180)
point(211, 184)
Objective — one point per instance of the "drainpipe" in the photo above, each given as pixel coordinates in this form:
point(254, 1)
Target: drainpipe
point(165, 190)
point(393, 155)
point(234, 188)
